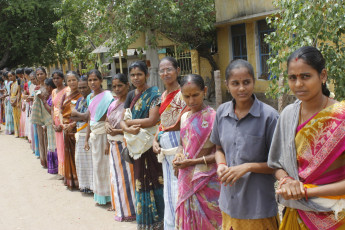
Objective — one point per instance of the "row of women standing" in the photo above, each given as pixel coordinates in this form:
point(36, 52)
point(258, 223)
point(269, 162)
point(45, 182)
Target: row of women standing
point(176, 163)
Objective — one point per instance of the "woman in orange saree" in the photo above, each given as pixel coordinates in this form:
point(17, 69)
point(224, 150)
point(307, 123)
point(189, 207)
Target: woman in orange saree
point(308, 148)
point(69, 127)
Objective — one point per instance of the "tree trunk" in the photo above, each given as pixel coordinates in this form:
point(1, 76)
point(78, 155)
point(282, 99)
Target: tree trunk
point(152, 56)
point(218, 88)
point(4, 58)
point(204, 51)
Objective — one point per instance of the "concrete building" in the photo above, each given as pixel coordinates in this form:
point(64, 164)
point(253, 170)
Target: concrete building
point(241, 28)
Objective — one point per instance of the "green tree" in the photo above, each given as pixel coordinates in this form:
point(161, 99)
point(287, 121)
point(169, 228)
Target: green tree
point(26, 32)
point(120, 22)
point(318, 23)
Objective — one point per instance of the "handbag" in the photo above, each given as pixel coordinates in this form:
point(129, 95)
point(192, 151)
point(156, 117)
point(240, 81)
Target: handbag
point(125, 155)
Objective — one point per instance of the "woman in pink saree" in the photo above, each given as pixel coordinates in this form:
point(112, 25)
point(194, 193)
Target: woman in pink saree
point(57, 96)
point(198, 186)
point(308, 148)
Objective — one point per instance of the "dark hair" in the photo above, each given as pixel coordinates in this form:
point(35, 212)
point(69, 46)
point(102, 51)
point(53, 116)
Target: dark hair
point(59, 73)
point(139, 64)
point(312, 57)
point(5, 74)
point(1, 79)
point(237, 64)
point(41, 68)
point(12, 73)
point(33, 73)
point(27, 71)
point(19, 71)
point(50, 82)
point(171, 60)
point(83, 78)
point(121, 77)
point(72, 73)
point(1, 72)
point(193, 78)
point(96, 72)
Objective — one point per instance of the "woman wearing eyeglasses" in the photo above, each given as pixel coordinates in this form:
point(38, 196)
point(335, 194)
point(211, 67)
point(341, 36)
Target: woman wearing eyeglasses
point(167, 138)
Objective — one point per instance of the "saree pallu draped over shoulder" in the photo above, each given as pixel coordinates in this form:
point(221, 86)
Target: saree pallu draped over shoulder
point(41, 117)
point(15, 100)
point(83, 158)
point(60, 145)
point(148, 173)
point(68, 103)
point(171, 110)
point(198, 187)
point(98, 106)
point(318, 143)
point(121, 172)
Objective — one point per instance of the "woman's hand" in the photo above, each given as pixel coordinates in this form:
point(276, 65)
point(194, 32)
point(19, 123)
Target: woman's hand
point(108, 128)
point(156, 147)
point(134, 129)
point(291, 190)
point(232, 174)
point(221, 168)
point(106, 151)
point(74, 113)
point(29, 99)
point(86, 146)
point(57, 128)
point(184, 163)
point(23, 108)
point(178, 158)
point(40, 96)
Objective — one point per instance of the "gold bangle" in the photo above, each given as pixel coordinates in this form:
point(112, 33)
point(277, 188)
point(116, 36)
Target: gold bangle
point(204, 160)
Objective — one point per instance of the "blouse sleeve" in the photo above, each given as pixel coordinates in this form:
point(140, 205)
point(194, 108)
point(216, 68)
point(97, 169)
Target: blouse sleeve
point(155, 102)
point(129, 99)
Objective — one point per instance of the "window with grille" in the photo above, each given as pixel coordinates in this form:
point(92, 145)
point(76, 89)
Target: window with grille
point(264, 49)
point(239, 42)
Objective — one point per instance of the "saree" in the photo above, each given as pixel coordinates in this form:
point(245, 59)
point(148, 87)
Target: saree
point(15, 98)
point(148, 173)
point(121, 172)
point(31, 126)
point(2, 107)
point(60, 146)
point(41, 117)
point(38, 111)
point(318, 143)
point(8, 111)
point(198, 186)
point(98, 106)
point(171, 110)
point(68, 103)
point(22, 125)
point(83, 158)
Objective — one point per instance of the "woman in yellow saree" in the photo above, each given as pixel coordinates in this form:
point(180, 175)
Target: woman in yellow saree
point(15, 96)
point(308, 148)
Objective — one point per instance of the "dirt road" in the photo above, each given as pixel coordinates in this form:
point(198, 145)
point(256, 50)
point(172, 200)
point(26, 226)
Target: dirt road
point(32, 199)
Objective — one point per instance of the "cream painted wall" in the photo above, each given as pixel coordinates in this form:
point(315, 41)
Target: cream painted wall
point(223, 53)
point(230, 9)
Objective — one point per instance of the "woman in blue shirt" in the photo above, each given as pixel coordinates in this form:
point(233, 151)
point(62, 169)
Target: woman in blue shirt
point(242, 132)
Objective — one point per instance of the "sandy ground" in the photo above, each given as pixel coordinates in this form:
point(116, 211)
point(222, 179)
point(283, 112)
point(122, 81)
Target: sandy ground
point(30, 198)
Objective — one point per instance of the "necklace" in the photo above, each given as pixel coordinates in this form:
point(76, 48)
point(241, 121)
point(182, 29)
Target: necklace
point(301, 120)
point(239, 114)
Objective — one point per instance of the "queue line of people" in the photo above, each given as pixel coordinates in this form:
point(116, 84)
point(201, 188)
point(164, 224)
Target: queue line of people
point(169, 161)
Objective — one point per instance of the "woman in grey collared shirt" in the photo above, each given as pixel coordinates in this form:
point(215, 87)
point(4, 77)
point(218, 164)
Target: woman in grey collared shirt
point(242, 132)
